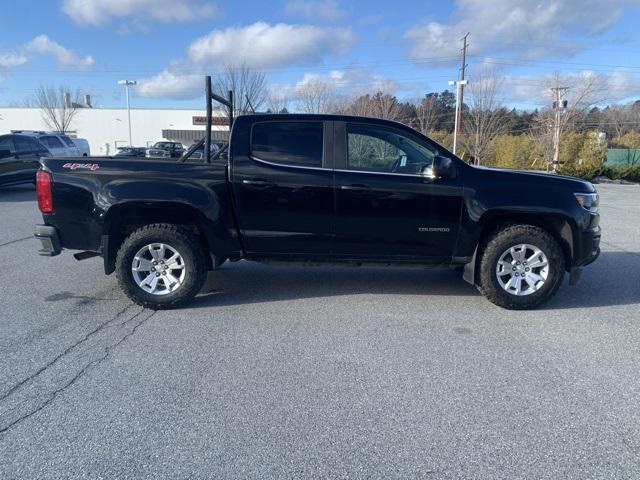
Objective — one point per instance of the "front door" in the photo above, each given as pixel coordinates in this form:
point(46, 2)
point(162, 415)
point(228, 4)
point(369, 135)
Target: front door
point(283, 188)
point(388, 205)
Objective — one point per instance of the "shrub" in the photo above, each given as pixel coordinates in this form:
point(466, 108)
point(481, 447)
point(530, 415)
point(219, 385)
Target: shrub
point(628, 140)
point(443, 137)
point(630, 173)
point(514, 151)
point(586, 172)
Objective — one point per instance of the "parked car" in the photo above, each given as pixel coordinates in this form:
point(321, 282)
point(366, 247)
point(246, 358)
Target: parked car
point(131, 152)
point(198, 152)
point(19, 159)
point(82, 145)
point(165, 149)
point(320, 188)
point(59, 144)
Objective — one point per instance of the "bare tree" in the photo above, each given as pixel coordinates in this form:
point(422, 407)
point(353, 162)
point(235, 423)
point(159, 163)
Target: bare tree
point(385, 105)
point(378, 105)
point(249, 87)
point(315, 96)
point(426, 114)
point(58, 105)
point(620, 119)
point(485, 119)
point(277, 100)
point(361, 106)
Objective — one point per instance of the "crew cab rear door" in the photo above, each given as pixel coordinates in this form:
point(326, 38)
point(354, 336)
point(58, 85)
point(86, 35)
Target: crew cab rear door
point(283, 187)
point(387, 206)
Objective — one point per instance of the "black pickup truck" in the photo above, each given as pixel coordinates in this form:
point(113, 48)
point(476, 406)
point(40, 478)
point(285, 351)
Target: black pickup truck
point(319, 188)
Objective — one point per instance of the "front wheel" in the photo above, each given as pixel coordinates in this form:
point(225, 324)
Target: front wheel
point(521, 267)
point(161, 266)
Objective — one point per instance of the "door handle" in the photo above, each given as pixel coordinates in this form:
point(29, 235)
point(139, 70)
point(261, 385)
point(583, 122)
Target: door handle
point(356, 188)
point(257, 182)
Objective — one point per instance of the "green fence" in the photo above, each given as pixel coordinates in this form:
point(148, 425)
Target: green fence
point(622, 157)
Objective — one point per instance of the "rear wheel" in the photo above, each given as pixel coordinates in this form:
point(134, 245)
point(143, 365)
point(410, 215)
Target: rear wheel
point(161, 266)
point(521, 267)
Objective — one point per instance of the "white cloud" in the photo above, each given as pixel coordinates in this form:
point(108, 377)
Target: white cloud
point(11, 60)
point(171, 85)
point(261, 45)
point(258, 46)
point(359, 81)
point(314, 9)
point(534, 91)
point(534, 29)
point(43, 45)
point(100, 12)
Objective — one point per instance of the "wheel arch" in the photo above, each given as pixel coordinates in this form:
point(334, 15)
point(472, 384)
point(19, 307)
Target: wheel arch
point(122, 219)
point(559, 226)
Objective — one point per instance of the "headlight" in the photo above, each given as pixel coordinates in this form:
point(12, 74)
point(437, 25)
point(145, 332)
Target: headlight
point(588, 201)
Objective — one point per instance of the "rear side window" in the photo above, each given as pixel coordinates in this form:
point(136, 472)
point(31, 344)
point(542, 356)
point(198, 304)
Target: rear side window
point(288, 143)
point(51, 142)
point(6, 144)
point(25, 145)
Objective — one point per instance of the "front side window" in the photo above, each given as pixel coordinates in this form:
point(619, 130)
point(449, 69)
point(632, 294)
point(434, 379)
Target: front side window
point(67, 141)
point(378, 149)
point(51, 142)
point(288, 143)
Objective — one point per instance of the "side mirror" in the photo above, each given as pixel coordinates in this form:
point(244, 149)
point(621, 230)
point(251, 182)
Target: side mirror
point(443, 167)
point(5, 153)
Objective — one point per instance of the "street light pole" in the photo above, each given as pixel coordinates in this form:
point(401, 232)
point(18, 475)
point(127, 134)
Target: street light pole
point(458, 84)
point(126, 84)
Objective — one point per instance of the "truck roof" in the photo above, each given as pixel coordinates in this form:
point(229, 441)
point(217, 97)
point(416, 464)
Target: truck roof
point(316, 117)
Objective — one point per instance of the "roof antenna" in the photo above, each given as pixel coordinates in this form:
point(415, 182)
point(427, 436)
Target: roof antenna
point(249, 102)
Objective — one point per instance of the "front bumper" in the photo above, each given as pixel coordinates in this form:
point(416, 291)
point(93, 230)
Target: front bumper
point(49, 239)
point(588, 247)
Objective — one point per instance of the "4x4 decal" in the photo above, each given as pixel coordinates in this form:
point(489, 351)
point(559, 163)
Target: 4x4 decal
point(84, 166)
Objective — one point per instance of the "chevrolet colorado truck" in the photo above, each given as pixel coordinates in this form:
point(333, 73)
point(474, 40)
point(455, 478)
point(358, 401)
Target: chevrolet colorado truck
point(313, 189)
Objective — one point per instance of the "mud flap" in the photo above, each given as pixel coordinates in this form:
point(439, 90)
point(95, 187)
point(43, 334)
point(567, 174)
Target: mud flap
point(469, 271)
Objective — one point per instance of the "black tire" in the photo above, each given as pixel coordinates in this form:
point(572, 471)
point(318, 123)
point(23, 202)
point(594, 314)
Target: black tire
point(178, 238)
point(503, 240)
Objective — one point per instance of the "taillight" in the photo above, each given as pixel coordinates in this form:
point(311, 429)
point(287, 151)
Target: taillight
point(43, 191)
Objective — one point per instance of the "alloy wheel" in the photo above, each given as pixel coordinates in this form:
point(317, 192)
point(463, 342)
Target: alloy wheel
point(522, 269)
point(158, 269)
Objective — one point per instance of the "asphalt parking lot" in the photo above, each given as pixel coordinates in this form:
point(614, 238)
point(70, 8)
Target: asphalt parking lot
point(323, 372)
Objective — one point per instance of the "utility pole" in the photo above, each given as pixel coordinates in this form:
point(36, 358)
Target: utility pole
point(460, 84)
point(126, 84)
point(559, 106)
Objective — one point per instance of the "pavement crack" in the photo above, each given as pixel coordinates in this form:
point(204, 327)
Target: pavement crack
point(107, 350)
point(68, 350)
point(16, 241)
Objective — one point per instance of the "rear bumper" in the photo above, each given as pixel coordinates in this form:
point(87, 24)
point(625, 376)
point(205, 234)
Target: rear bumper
point(49, 240)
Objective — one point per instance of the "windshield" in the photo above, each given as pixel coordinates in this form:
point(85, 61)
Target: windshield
point(164, 145)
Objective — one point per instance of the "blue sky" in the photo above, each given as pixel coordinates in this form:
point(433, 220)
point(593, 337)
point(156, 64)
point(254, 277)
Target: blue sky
point(405, 47)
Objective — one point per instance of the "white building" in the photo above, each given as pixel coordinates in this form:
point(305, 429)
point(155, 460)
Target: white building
point(106, 129)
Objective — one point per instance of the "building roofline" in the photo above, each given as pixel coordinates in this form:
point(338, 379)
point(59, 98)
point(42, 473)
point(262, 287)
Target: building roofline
point(117, 108)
